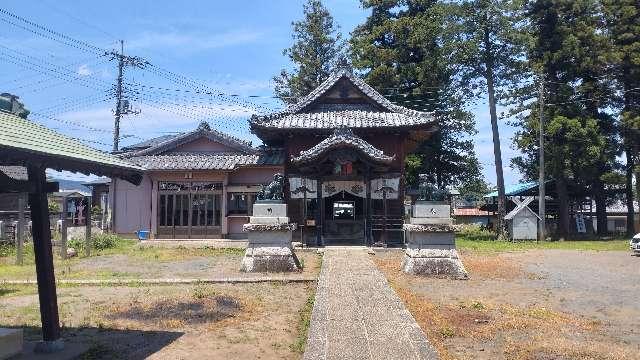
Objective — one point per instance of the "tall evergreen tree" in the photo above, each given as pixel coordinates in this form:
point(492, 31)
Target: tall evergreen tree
point(316, 46)
point(569, 52)
point(623, 25)
point(405, 52)
point(491, 54)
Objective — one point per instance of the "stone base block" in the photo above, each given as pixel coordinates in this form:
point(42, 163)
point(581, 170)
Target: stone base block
point(10, 342)
point(269, 259)
point(277, 210)
point(431, 221)
point(434, 262)
point(431, 209)
point(269, 220)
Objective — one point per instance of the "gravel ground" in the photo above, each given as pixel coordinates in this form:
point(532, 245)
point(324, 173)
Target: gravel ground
point(589, 300)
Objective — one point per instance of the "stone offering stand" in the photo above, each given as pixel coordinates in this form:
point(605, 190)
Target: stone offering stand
point(269, 248)
point(430, 238)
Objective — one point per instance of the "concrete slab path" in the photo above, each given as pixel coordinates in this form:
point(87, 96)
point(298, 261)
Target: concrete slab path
point(357, 315)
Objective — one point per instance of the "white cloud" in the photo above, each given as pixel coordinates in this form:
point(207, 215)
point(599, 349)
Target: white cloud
point(194, 41)
point(84, 70)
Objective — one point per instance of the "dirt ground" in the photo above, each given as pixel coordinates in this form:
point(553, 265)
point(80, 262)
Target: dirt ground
point(158, 263)
point(242, 321)
point(537, 304)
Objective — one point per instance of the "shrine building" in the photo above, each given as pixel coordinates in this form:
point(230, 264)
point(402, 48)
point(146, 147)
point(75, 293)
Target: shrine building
point(345, 146)
point(341, 149)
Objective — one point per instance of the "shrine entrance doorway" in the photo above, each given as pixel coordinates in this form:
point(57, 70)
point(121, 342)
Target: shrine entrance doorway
point(344, 215)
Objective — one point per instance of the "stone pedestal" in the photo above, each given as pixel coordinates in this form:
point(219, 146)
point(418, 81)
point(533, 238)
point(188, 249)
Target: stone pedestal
point(430, 238)
point(269, 235)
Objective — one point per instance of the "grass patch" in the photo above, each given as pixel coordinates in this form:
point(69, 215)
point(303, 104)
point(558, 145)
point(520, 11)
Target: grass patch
point(304, 322)
point(496, 246)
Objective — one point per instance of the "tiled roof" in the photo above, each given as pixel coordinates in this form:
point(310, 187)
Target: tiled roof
point(207, 161)
point(15, 172)
point(296, 116)
point(22, 141)
point(514, 190)
point(161, 144)
point(149, 143)
point(348, 118)
point(342, 137)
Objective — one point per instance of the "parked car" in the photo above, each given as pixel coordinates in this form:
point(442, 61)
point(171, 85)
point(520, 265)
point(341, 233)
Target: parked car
point(634, 244)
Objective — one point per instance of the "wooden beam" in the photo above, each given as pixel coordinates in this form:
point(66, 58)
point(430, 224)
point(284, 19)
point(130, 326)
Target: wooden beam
point(44, 262)
point(11, 185)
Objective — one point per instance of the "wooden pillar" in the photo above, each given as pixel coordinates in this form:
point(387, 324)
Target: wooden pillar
point(369, 224)
point(20, 230)
point(154, 210)
point(87, 231)
point(63, 228)
point(44, 261)
point(384, 217)
point(319, 213)
point(223, 206)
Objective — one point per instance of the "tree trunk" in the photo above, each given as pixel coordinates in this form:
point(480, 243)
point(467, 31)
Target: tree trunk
point(497, 153)
point(563, 204)
point(631, 227)
point(601, 207)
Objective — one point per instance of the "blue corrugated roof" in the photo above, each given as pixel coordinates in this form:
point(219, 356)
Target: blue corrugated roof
point(512, 190)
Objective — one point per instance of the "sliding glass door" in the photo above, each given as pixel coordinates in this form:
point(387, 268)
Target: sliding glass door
point(189, 210)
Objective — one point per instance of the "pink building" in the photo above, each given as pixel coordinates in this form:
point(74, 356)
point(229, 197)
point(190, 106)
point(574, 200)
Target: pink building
point(200, 184)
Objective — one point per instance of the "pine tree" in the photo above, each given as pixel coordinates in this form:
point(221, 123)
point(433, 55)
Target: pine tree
point(404, 51)
point(623, 25)
point(569, 52)
point(490, 52)
point(316, 47)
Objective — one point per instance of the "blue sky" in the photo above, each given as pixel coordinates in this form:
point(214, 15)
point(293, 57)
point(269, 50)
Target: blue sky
point(234, 47)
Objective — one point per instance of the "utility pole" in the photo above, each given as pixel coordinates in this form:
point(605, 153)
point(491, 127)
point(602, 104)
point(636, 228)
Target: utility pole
point(541, 184)
point(116, 126)
point(122, 106)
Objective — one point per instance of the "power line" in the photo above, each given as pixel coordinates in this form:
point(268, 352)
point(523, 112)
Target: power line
point(54, 35)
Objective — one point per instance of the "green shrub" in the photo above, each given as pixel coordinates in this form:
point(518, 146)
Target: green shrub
point(99, 242)
point(474, 232)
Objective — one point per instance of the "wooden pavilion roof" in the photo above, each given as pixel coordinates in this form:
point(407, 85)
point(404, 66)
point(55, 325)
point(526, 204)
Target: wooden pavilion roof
point(24, 143)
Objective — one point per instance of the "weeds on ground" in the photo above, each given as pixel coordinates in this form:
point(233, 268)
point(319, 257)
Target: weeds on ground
point(304, 322)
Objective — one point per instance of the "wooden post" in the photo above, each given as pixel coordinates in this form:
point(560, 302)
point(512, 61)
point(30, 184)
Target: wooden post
point(87, 231)
point(369, 222)
point(20, 230)
point(384, 217)
point(319, 213)
point(44, 262)
point(63, 228)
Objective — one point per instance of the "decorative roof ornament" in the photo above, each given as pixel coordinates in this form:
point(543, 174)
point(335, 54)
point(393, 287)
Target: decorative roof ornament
point(204, 126)
point(344, 64)
point(343, 137)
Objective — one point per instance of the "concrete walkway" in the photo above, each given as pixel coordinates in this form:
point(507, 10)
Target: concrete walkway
point(356, 314)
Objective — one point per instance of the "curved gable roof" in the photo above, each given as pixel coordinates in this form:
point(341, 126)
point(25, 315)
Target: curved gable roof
point(343, 138)
point(383, 114)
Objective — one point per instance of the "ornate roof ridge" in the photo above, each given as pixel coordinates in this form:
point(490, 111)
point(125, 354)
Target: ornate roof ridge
point(342, 137)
